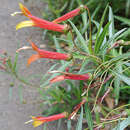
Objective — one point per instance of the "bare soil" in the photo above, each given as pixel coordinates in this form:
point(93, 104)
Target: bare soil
point(13, 113)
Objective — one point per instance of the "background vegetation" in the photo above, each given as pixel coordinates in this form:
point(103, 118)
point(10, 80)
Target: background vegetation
point(107, 94)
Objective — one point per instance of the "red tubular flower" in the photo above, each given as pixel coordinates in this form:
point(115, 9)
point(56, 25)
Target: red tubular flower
point(40, 120)
point(38, 22)
point(69, 15)
point(46, 54)
point(70, 76)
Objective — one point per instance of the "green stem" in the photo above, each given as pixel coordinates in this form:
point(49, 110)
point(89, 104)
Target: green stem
point(90, 32)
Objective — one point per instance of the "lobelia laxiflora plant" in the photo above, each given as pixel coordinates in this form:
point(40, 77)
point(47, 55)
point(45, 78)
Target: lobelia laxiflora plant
point(97, 64)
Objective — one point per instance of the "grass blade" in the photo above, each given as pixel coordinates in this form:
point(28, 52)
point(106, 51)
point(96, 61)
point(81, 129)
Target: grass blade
point(79, 124)
point(122, 125)
point(111, 19)
point(101, 23)
point(80, 38)
point(101, 38)
point(123, 78)
point(124, 20)
point(15, 61)
point(58, 48)
point(69, 125)
point(88, 117)
point(127, 7)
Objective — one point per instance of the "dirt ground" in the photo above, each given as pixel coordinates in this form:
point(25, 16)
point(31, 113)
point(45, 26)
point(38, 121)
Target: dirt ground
point(13, 113)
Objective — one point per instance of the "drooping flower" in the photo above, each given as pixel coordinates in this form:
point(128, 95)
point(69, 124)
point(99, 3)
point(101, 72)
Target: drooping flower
point(71, 14)
point(36, 121)
point(38, 22)
point(71, 77)
point(47, 54)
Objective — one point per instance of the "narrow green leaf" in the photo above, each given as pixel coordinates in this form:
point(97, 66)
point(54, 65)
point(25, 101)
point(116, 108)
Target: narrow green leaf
point(125, 34)
point(127, 7)
point(58, 48)
point(97, 25)
point(126, 55)
point(123, 78)
point(111, 19)
point(45, 126)
point(84, 18)
point(116, 89)
point(71, 5)
point(123, 19)
point(79, 2)
point(44, 34)
point(15, 61)
point(79, 124)
point(9, 62)
point(77, 55)
point(101, 37)
point(122, 125)
point(69, 125)
point(64, 6)
point(83, 67)
point(97, 117)
point(101, 23)
point(116, 36)
point(88, 117)
point(83, 43)
point(65, 40)
point(95, 11)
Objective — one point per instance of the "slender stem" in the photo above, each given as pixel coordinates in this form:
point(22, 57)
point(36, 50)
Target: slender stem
point(90, 32)
point(22, 80)
point(101, 124)
point(74, 41)
point(116, 109)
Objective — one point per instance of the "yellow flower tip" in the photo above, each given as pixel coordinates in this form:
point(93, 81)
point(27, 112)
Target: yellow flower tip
point(21, 6)
point(24, 9)
point(37, 123)
point(25, 24)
